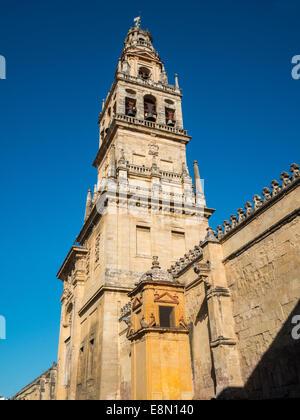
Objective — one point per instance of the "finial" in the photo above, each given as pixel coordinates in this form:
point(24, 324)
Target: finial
point(155, 263)
point(176, 81)
point(198, 184)
point(95, 194)
point(211, 235)
point(103, 102)
point(137, 21)
point(88, 205)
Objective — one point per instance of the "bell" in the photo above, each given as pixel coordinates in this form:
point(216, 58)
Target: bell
point(131, 112)
point(150, 117)
point(170, 122)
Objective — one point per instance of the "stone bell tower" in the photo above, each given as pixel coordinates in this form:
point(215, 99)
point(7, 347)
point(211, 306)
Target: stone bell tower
point(144, 204)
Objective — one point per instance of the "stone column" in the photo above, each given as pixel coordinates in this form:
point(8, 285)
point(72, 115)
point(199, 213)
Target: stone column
point(160, 109)
point(179, 122)
point(140, 106)
point(223, 343)
point(121, 102)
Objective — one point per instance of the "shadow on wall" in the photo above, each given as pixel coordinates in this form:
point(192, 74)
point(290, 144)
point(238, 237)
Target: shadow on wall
point(277, 375)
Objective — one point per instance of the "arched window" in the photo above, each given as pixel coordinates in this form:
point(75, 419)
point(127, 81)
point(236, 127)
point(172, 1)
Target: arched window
point(170, 117)
point(144, 73)
point(150, 108)
point(130, 107)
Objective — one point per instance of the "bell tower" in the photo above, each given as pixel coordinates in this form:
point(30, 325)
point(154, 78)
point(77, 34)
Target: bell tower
point(144, 204)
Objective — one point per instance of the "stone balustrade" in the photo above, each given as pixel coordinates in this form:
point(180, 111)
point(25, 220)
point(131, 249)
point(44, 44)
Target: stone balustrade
point(150, 124)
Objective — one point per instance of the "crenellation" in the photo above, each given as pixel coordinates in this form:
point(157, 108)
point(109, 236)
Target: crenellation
point(268, 195)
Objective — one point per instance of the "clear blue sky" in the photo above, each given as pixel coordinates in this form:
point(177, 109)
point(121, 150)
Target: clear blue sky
point(240, 104)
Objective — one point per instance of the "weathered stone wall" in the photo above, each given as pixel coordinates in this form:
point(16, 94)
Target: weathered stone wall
point(265, 288)
point(42, 388)
point(199, 334)
point(262, 262)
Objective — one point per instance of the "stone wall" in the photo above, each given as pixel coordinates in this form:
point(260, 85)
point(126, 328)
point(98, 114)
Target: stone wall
point(42, 388)
point(264, 284)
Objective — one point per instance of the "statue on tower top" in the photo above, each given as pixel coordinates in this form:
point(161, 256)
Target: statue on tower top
point(137, 21)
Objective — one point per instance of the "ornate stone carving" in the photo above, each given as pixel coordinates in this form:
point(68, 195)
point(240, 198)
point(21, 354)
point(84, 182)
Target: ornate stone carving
point(153, 149)
point(248, 207)
point(155, 263)
point(275, 187)
point(200, 268)
point(257, 202)
point(220, 233)
point(241, 215)
point(165, 297)
point(295, 169)
point(266, 194)
point(234, 221)
point(182, 323)
point(137, 302)
point(152, 322)
point(211, 236)
point(122, 161)
point(285, 178)
point(227, 226)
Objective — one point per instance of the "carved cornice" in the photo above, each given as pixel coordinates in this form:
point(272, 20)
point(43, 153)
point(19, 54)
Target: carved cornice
point(161, 330)
point(154, 284)
point(99, 293)
point(69, 262)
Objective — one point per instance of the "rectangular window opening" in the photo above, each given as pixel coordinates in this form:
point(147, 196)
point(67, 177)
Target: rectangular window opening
point(166, 316)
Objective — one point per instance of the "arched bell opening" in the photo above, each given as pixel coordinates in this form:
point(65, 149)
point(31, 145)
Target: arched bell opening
point(150, 113)
point(170, 117)
point(130, 107)
point(144, 73)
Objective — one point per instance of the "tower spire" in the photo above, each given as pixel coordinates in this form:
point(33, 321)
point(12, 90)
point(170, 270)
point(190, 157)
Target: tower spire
point(88, 205)
point(198, 185)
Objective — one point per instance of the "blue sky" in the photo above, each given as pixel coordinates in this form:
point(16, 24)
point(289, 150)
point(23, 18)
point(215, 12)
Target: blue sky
point(240, 104)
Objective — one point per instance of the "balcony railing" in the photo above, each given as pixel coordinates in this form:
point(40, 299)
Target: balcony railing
point(137, 169)
point(150, 124)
